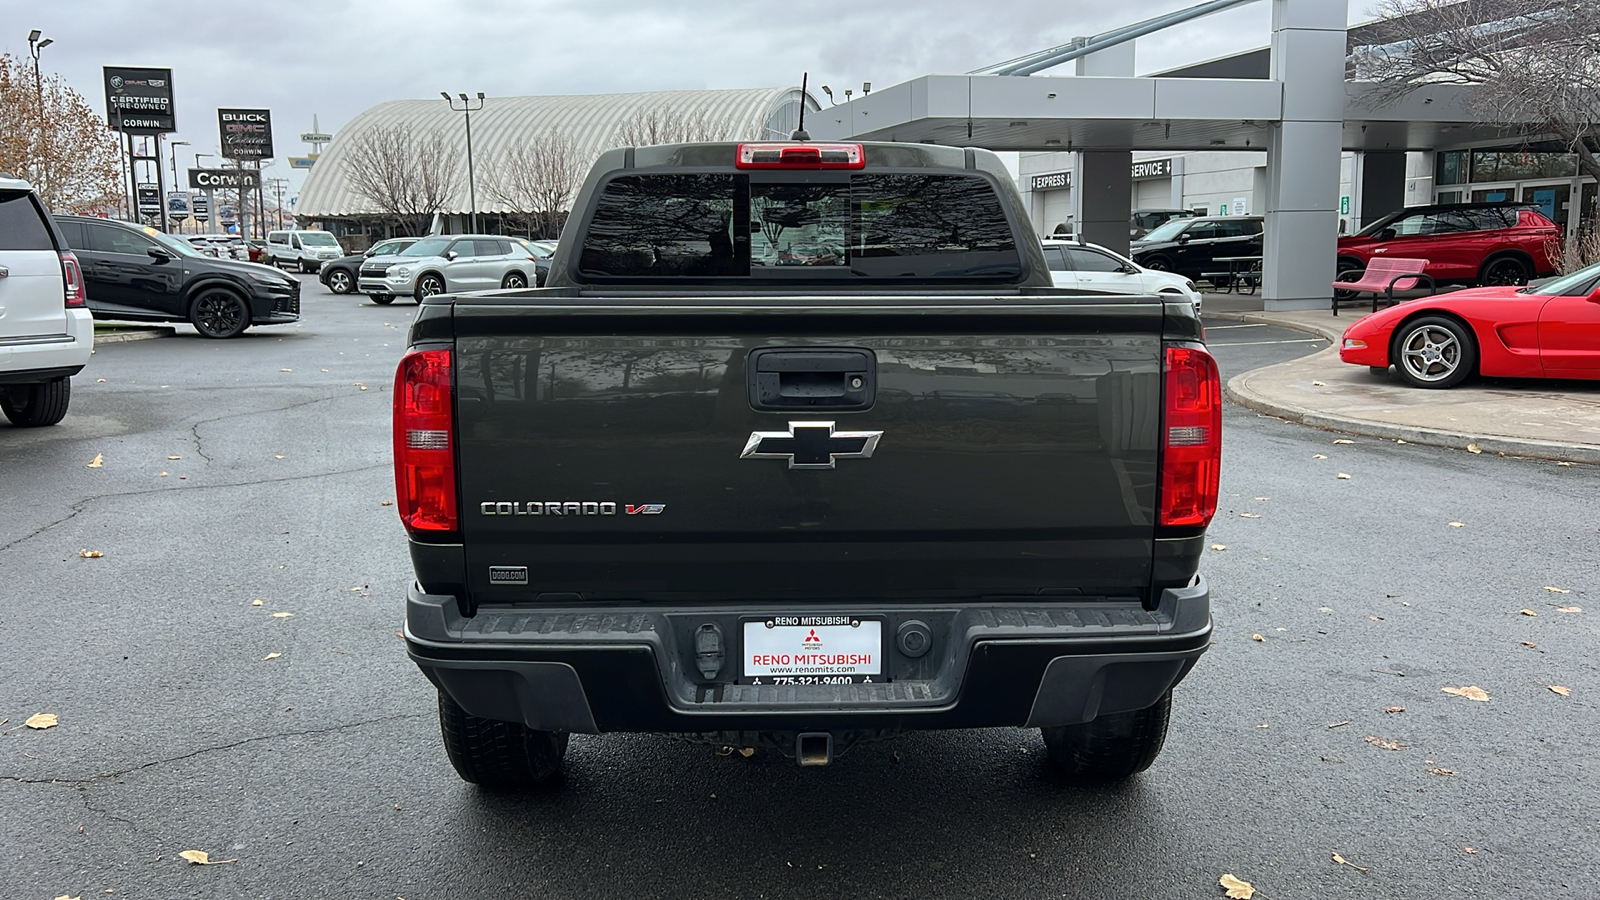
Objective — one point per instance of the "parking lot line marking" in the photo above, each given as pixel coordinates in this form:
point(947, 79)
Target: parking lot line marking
point(1225, 327)
point(1256, 343)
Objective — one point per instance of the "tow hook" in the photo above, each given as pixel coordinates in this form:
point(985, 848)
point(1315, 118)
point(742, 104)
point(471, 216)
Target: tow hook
point(708, 650)
point(813, 748)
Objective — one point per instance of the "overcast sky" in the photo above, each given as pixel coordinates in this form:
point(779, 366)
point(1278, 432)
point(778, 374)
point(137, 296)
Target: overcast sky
point(335, 58)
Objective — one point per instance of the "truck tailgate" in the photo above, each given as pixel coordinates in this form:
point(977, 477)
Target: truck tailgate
point(602, 448)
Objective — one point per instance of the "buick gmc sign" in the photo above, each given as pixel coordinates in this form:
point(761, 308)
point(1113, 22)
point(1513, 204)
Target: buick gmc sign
point(246, 133)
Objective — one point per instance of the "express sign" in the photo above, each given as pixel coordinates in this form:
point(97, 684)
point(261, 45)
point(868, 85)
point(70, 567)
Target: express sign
point(246, 133)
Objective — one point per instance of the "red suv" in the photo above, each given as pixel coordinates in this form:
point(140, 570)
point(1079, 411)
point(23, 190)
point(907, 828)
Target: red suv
point(1464, 243)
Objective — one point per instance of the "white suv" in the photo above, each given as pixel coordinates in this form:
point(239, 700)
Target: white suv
point(1091, 267)
point(305, 250)
point(46, 332)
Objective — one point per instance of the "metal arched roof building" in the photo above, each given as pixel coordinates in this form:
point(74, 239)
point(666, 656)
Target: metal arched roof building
point(590, 121)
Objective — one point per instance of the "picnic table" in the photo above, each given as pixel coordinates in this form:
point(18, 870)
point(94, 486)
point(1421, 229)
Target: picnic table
point(1243, 272)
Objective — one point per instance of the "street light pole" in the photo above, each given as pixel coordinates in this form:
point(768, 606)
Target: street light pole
point(472, 188)
point(175, 145)
point(34, 46)
point(211, 206)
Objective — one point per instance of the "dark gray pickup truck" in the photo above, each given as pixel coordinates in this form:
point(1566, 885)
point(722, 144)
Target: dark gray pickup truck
point(798, 447)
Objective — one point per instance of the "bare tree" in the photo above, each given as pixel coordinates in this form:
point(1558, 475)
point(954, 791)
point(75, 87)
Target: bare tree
point(1535, 63)
point(667, 125)
point(407, 177)
point(64, 149)
point(537, 180)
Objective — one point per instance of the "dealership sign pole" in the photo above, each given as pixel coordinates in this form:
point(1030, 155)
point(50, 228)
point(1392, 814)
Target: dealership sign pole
point(139, 102)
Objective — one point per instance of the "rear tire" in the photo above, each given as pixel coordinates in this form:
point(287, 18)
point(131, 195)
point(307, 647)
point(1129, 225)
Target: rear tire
point(499, 756)
point(35, 405)
point(1112, 747)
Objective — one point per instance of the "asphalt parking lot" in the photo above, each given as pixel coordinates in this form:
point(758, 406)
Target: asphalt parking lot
point(304, 747)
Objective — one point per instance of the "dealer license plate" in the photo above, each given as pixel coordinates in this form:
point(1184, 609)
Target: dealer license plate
point(805, 650)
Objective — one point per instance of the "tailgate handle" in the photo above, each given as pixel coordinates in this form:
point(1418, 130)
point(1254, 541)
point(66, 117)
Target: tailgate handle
point(828, 378)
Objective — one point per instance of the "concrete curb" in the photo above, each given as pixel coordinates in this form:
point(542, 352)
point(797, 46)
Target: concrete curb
point(1332, 332)
point(142, 334)
point(1238, 390)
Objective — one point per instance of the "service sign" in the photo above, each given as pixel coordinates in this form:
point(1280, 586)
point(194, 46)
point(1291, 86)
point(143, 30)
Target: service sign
point(139, 101)
point(246, 133)
point(812, 649)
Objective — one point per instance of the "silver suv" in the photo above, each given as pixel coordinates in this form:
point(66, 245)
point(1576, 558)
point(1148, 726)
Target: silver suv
point(464, 262)
point(46, 332)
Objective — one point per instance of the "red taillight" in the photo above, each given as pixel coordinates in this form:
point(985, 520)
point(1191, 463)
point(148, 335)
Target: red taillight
point(424, 442)
point(72, 274)
point(785, 155)
point(1191, 446)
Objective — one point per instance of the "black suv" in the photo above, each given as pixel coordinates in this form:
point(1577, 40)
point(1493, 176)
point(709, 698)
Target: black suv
point(341, 274)
point(1191, 247)
point(139, 273)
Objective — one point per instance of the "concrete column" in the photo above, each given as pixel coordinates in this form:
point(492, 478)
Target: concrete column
point(1302, 202)
point(1383, 185)
point(1177, 200)
point(1102, 181)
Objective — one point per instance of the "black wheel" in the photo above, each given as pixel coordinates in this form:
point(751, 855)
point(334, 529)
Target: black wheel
point(428, 285)
point(498, 756)
point(1434, 352)
point(301, 267)
point(34, 405)
point(1112, 747)
point(514, 280)
point(382, 299)
point(1352, 273)
point(340, 281)
point(219, 313)
point(1505, 270)
point(1157, 264)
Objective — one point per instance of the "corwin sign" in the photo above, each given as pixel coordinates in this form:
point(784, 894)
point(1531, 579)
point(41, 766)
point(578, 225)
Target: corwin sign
point(139, 101)
point(246, 133)
point(224, 179)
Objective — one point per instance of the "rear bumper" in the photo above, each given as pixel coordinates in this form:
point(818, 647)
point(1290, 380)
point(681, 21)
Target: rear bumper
point(627, 670)
point(43, 355)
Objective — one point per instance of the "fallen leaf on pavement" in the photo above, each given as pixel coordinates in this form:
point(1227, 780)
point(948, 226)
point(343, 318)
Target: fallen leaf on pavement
point(324, 370)
point(362, 386)
point(1343, 477)
point(161, 474)
point(1439, 771)
point(1471, 692)
point(1317, 384)
point(255, 602)
point(285, 370)
point(1474, 448)
point(283, 615)
point(99, 381)
point(41, 721)
point(1376, 618)
point(747, 752)
point(1558, 689)
point(1237, 890)
point(90, 554)
point(1458, 524)
point(174, 457)
point(64, 896)
point(1553, 590)
point(98, 461)
point(1384, 743)
point(271, 656)
point(1399, 441)
point(387, 503)
point(1249, 515)
point(1528, 612)
point(1318, 456)
point(1569, 609)
point(1345, 862)
point(1263, 498)
point(1339, 724)
point(202, 858)
point(1471, 850)
point(277, 456)
point(1394, 709)
point(1343, 441)
point(1219, 546)
point(1257, 637)
point(1529, 644)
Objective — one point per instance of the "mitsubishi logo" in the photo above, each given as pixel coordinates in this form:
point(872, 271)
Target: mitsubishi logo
point(811, 445)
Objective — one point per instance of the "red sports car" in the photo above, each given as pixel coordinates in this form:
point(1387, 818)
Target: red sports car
point(1549, 331)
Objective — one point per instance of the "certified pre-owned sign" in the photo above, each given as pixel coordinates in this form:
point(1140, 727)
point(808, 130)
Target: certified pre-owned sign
point(139, 101)
point(246, 133)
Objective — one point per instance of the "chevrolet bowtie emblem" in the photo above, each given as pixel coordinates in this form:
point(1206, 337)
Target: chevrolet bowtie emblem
point(811, 445)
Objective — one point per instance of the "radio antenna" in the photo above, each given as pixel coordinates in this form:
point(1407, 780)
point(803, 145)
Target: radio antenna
point(800, 133)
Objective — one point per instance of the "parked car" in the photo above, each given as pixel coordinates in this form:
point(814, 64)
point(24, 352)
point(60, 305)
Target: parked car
point(305, 251)
point(46, 333)
point(542, 251)
point(256, 249)
point(1464, 243)
point(1191, 247)
point(139, 273)
point(1143, 221)
point(1091, 267)
point(203, 243)
point(1549, 331)
point(343, 274)
point(467, 262)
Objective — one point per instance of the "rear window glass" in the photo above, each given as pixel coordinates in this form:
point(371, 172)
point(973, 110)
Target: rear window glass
point(881, 226)
point(21, 225)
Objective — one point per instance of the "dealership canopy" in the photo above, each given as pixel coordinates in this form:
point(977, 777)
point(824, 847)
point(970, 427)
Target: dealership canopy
point(590, 121)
